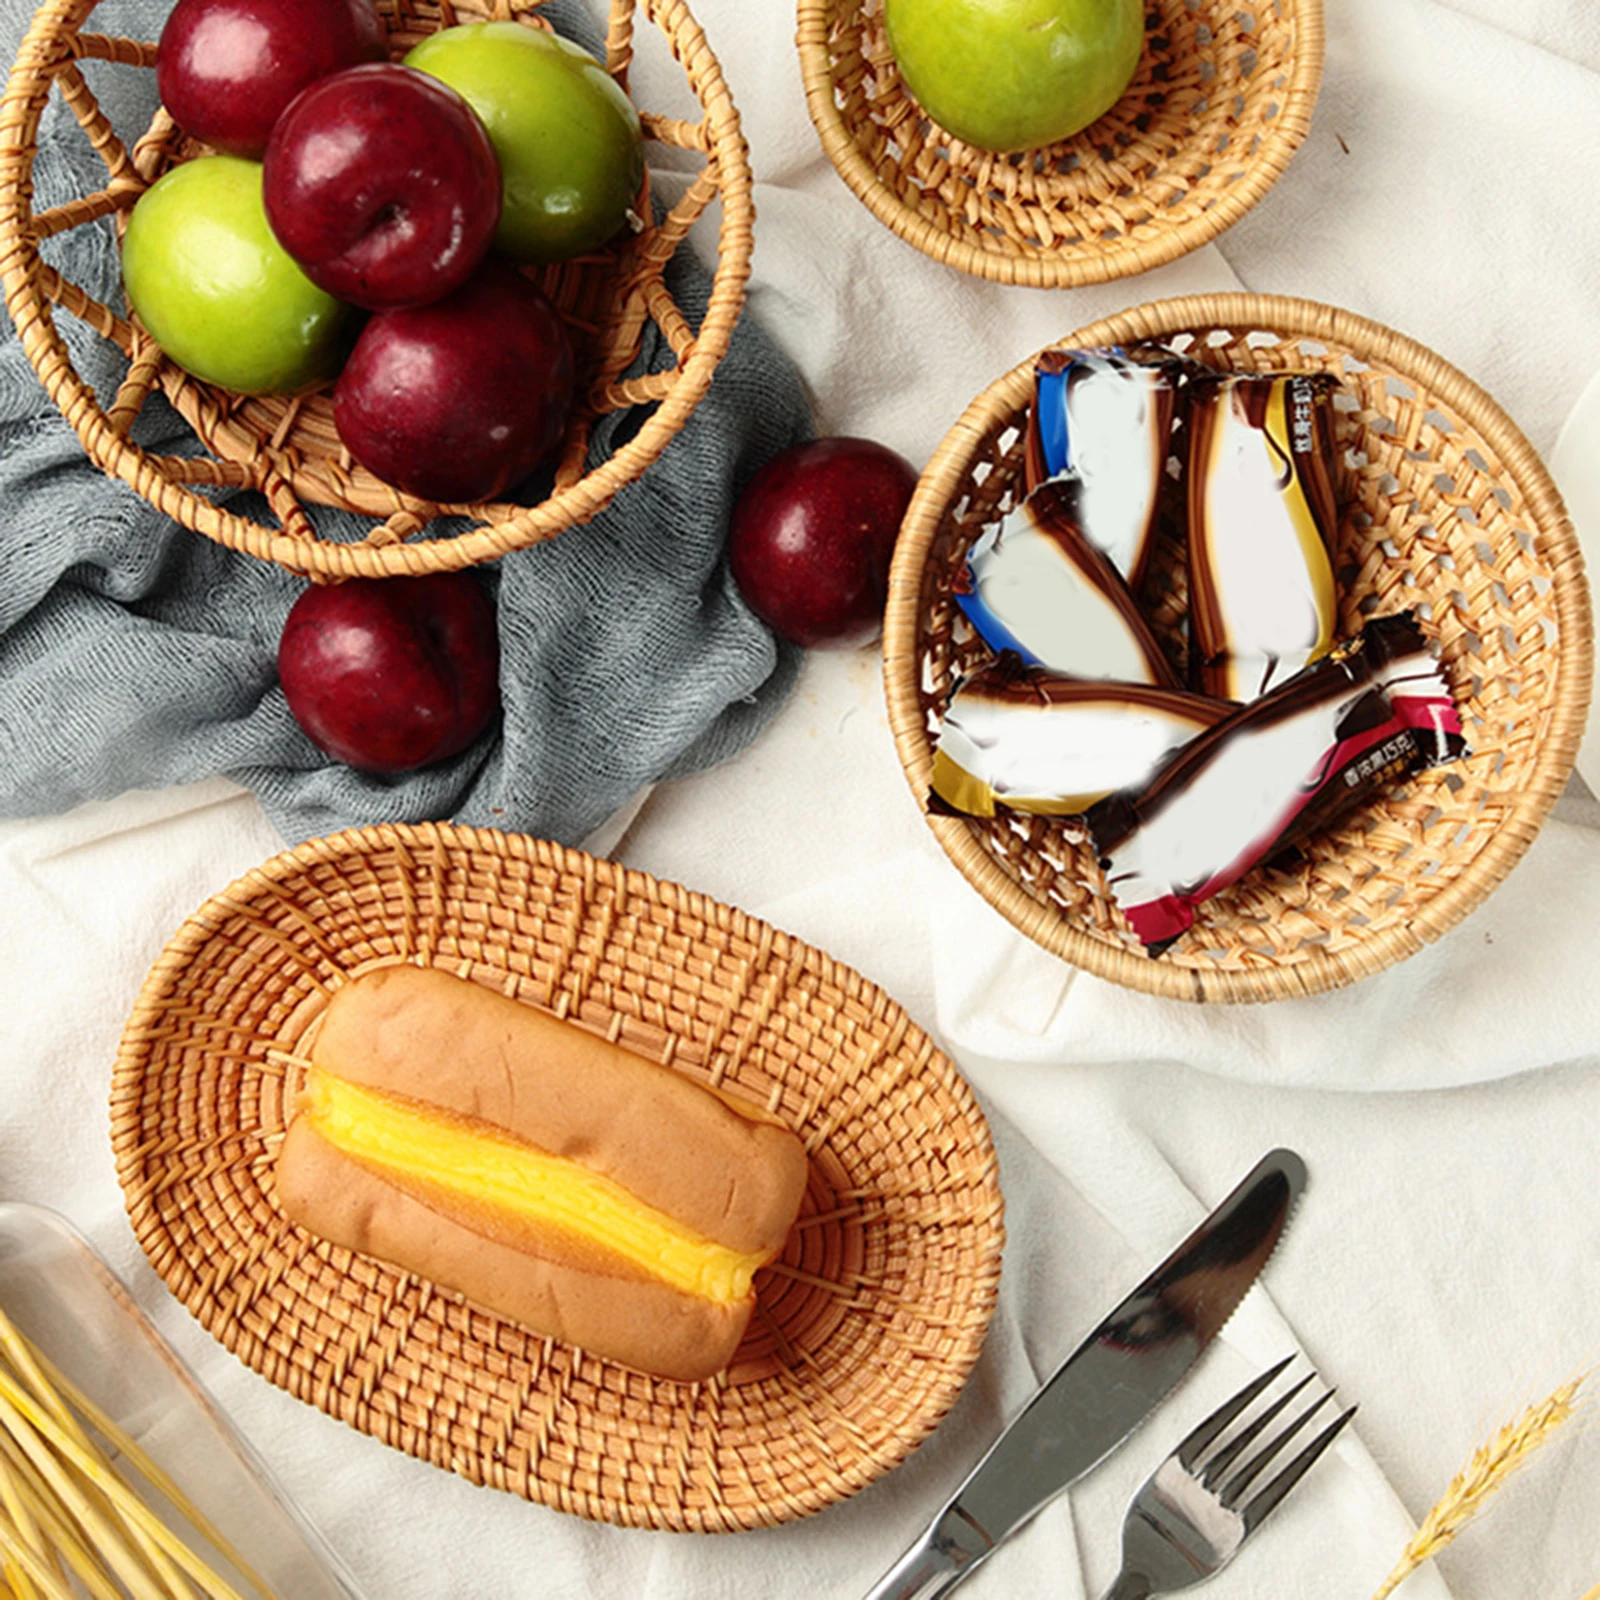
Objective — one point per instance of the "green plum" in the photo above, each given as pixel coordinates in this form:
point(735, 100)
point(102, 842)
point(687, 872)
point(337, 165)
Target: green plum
point(569, 142)
point(218, 292)
point(1015, 74)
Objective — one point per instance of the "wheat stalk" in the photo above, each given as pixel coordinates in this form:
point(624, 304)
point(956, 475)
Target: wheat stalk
point(1492, 1464)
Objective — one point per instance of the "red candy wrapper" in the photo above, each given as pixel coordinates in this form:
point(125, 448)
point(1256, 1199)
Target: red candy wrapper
point(1370, 712)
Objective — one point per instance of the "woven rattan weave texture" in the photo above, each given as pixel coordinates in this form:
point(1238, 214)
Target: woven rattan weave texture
point(1446, 508)
point(865, 1328)
point(288, 448)
point(1221, 101)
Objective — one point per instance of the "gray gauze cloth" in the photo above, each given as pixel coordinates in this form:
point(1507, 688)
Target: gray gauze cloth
point(136, 654)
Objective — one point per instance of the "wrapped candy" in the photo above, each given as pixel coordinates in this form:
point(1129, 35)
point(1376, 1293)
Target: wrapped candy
point(1260, 522)
point(1101, 426)
point(1019, 738)
point(1034, 586)
point(1373, 710)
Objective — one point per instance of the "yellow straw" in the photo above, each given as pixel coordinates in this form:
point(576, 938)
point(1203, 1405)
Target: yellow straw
point(64, 1505)
point(38, 1572)
point(152, 1473)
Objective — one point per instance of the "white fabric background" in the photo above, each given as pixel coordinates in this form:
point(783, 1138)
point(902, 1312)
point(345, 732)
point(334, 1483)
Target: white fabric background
point(1441, 1270)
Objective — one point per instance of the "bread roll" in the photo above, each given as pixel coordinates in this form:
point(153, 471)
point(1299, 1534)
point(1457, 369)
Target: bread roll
point(542, 1171)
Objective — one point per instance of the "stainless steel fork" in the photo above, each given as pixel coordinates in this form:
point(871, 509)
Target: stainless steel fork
point(1192, 1515)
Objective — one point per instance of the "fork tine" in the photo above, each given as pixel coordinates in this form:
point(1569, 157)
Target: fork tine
point(1247, 1474)
point(1235, 1447)
point(1267, 1500)
point(1195, 1444)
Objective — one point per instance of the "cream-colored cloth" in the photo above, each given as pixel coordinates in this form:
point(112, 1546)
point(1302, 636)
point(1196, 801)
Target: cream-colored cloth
point(1439, 1270)
point(92, 895)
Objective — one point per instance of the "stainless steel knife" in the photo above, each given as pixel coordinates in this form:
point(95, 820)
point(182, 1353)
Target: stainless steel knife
point(1108, 1385)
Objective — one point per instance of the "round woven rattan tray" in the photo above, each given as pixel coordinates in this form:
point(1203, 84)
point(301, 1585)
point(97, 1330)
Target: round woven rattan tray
point(288, 448)
point(1445, 508)
point(865, 1328)
point(1220, 102)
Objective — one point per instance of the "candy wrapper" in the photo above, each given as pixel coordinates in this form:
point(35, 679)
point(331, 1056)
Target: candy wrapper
point(1019, 738)
point(1261, 520)
point(1034, 586)
point(1373, 710)
point(1101, 427)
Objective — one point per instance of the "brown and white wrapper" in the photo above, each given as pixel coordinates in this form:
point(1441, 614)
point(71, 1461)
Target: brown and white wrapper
point(1102, 427)
point(1374, 710)
point(1020, 738)
point(1032, 585)
point(1261, 519)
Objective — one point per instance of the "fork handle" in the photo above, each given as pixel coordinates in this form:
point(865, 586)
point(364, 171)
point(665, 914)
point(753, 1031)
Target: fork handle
point(1129, 1586)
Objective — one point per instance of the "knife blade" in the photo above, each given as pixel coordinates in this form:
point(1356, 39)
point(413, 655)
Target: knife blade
point(1108, 1385)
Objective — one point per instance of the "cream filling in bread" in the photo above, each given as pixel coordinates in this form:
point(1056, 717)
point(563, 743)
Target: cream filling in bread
point(472, 1163)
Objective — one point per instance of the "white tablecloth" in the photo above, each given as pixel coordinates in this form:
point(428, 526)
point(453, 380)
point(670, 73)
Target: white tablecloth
point(1440, 1270)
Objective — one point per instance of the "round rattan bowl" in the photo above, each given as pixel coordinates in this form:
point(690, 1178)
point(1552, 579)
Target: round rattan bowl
point(1220, 102)
point(1445, 508)
point(287, 448)
point(864, 1329)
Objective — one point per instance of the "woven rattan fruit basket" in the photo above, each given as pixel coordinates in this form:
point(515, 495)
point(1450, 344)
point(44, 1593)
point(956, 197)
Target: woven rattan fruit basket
point(1220, 102)
point(1445, 508)
point(864, 1329)
point(287, 448)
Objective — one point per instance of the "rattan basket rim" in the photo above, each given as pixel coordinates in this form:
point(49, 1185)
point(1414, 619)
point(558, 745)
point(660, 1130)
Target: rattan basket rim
point(940, 1381)
point(1117, 259)
point(568, 506)
point(1321, 970)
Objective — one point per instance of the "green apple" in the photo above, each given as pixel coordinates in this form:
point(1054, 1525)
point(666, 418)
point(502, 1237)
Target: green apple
point(1015, 74)
point(217, 291)
point(569, 142)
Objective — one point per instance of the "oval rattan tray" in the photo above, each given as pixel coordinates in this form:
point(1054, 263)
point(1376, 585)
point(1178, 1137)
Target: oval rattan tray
point(864, 1330)
point(1445, 507)
point(1221, 100)
point(288, 448)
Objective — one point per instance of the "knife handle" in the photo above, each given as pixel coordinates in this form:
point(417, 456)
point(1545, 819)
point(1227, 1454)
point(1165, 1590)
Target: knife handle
point(937, 1562)
point(920, 1574)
